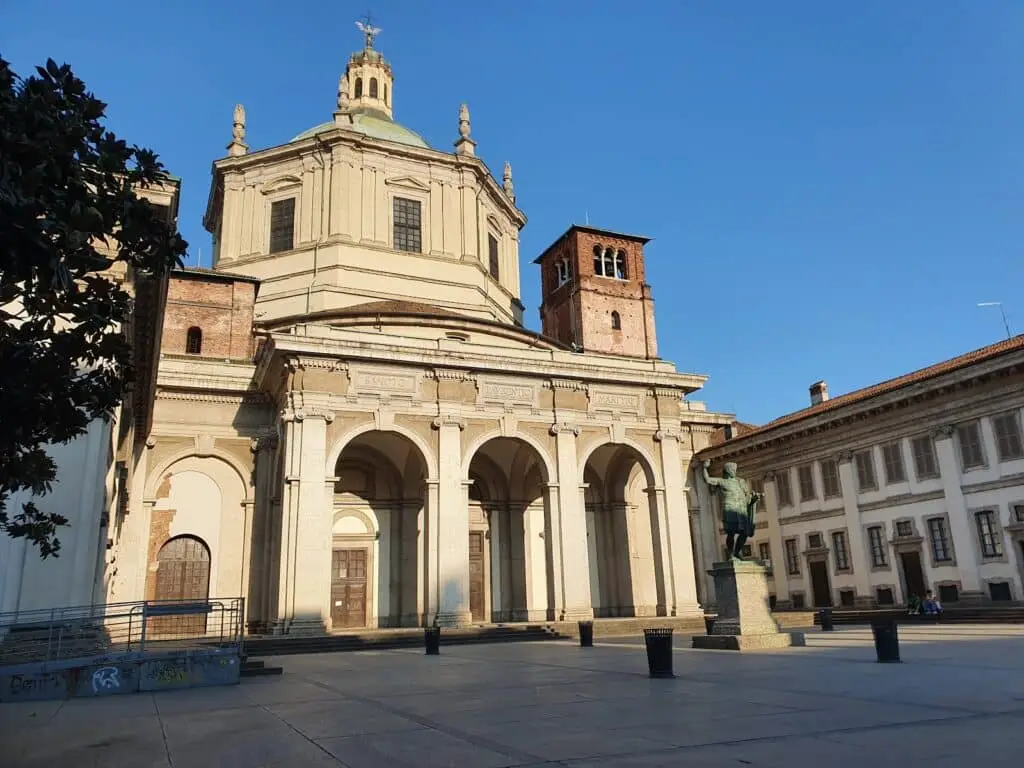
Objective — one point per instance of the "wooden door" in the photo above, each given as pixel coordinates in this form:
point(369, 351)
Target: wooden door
point(348, 588)
point(476, 575)
point(182, 574)
point(913, 575)
point(820, 587)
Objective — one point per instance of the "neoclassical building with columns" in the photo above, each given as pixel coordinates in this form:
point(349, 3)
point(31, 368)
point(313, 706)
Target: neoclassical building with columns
point(353, 428)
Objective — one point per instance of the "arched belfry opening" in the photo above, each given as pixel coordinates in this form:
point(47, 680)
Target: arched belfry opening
point(376, 537)
point(626, 571)
point(508, 559)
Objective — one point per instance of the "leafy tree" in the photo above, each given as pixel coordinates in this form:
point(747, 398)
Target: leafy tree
point(70, 218)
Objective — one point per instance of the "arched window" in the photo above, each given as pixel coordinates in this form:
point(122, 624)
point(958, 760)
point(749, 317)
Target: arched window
point(193, 341)
point(359, 88)
point(620, 265)
point(373, 87)
point(616, 322)
point(385, 93)
point(609, 263)
point(564, 271)
point(598, 264)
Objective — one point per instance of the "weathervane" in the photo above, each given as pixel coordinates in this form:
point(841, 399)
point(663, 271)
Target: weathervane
point(369, 31)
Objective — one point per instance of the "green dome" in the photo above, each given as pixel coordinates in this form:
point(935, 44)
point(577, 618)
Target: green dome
point(374, 126)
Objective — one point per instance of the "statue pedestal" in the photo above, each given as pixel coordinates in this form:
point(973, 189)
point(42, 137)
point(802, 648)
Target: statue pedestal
point(744, 617)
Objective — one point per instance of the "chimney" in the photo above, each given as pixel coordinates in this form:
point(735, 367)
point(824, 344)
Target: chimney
point(819, 393)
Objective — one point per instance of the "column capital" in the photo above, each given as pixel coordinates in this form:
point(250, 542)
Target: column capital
point(560, 428)
point(301, 414)
point(943, 431)
point(448, 420)
point(667, 433)
point(844, 456)
point(265, 441)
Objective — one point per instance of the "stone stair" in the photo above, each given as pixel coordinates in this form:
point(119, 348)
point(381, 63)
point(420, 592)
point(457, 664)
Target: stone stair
point(258, 668)
point(281, 645)
point(1013, 614)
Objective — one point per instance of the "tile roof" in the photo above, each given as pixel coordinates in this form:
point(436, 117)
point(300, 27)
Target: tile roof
point(860, 395)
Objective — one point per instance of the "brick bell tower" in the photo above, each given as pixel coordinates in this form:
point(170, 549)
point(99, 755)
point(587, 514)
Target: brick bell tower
point(595, 297)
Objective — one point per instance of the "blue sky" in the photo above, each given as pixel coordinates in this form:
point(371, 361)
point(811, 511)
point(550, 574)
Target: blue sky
point(830, 187)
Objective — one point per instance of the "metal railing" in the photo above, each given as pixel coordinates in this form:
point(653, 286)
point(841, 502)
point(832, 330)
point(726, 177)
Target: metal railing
point(121, 630)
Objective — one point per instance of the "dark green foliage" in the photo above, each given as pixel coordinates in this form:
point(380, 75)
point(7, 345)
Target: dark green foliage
point(67, 187)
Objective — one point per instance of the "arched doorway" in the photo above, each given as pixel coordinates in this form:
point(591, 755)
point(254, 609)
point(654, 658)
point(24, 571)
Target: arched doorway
point(626, 573)
point(377, 541)
point(508, 561)
point(182, 574)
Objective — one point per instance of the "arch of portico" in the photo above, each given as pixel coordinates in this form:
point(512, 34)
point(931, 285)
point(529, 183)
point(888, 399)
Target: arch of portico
point(509, 559)
point(624, 532)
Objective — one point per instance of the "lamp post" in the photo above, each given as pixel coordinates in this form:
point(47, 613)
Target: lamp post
point(1002, 312)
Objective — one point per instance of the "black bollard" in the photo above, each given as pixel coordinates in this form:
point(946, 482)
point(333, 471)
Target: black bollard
point(887, 640)
point(586, 634)
point(825, 616)
point(659, 652)
point(432, 640)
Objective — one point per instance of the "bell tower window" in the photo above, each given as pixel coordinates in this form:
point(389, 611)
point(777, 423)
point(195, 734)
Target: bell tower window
point(616, 322)
point(359, 88)
point(385, 93)
point(563, 268)
point(620, 265)
point(373, 87)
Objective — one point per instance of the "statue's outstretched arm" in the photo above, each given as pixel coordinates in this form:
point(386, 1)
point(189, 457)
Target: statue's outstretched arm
point(711, 481)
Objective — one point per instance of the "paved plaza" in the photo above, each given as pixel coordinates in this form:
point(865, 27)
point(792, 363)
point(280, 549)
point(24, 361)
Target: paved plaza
point(958, 700)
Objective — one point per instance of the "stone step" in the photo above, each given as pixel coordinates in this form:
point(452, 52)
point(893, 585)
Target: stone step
point(956, 615)
point(261, 671)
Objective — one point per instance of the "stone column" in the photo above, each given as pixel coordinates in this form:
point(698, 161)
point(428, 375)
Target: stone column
point(780, 571)
point(956, 506)
point(674, 522)
point(570, 560)
point(306, 523)
point(258, 561)
point(426, 554)
point(860, 557)
point(494, 532)
point(453, 525)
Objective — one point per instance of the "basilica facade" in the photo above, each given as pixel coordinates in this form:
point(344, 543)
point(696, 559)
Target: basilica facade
point(353, 428)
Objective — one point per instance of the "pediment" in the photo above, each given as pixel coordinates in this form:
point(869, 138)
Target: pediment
point(495, 222)
point(408, 182)
point(279, 183)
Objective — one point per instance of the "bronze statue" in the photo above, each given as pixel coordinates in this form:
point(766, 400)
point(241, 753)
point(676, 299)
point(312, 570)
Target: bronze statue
point(739, 503)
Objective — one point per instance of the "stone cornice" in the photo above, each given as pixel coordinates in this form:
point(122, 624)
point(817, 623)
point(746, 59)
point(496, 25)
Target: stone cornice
point(577, 370)
point(212, 396)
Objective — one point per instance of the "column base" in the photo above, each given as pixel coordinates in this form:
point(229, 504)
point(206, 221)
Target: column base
point(305, 627)
point(454, 619)
point(576, 614)
point(688, 611)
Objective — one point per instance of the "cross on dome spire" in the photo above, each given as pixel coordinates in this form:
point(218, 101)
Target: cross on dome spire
point(369, 31)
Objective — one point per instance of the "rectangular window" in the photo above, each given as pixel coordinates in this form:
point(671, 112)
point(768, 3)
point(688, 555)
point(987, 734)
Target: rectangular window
point(1018, 512)
point(407, 232)
point(904, 528)
point(940, 540)
point(805, 475)
point(162, 212)
point(492, 256)
point(925, 463)
point(999, 591)
point(1008, 441)
point(798, 600)
point(892, 456)
point(988, 534)
point(830, 479)
point(969, 437)
point(884, 596)
point(876, 539)
point(865, 465)
point(814, 541)
point(841, 551)
point(282, 225)
point(764, 552)
point(847, 598)
point(792, 558)
point(782, 490)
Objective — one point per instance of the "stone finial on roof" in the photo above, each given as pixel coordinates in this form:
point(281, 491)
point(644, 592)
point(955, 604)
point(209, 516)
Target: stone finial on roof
point(238, 146)
point(464, 145)
point(342, 115)
point(506, 182)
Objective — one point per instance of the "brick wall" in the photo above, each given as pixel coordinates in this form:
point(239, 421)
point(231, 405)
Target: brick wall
point(221, 307)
